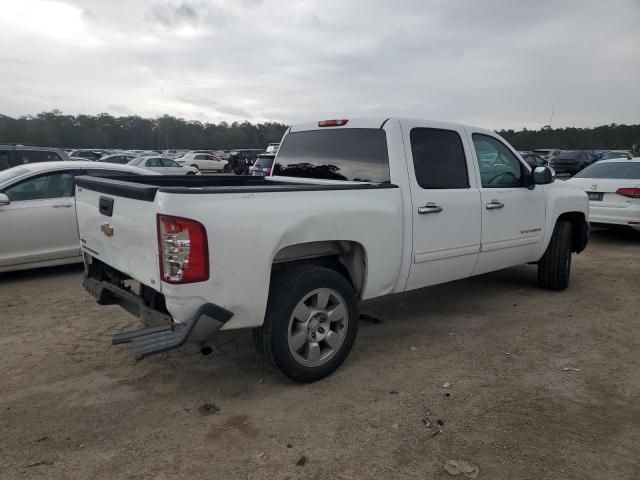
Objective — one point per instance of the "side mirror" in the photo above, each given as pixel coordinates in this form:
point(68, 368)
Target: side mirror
point(542, 175)
point(4, 199)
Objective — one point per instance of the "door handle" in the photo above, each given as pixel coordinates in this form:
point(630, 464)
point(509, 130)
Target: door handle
point(63, 205)
point(429, 208)
point(494, 205)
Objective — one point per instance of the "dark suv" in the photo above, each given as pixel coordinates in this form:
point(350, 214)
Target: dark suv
point(14, 155)
point(572, 162)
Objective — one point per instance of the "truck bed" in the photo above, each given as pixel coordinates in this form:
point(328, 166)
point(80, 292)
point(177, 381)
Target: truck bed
point(144, 188)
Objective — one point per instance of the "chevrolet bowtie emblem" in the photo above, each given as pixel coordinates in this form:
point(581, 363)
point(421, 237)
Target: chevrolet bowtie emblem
point(106, 229)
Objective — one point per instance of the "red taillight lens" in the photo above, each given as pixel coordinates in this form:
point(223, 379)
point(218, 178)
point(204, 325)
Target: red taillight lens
point(183, 248)
point(629, 192)
point(332, 123)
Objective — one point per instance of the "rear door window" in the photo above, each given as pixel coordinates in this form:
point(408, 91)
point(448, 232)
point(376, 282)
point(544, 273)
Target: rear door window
point(154, 163)
point(438, 158)
point(356, 154)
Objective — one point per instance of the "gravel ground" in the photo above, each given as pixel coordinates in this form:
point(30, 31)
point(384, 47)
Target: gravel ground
point(74, 407)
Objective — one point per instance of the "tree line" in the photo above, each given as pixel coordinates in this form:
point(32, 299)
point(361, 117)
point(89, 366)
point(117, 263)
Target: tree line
point(605, 137)
point(55, 129)
point(168, 132)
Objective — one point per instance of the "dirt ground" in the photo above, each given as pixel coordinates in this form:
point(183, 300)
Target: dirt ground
point(72, 406)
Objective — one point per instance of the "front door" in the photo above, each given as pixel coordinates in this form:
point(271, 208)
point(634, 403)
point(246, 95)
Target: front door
point(40, 222)
point(446, 205)
point(513, 215)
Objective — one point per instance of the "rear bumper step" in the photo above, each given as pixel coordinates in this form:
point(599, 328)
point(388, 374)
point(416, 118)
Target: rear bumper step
point(157, 339)
point(152, 340)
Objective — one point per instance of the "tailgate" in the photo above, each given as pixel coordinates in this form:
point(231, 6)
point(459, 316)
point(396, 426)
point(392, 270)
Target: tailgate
point(120, 232)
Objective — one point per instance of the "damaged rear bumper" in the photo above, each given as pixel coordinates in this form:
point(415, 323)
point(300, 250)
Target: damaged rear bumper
point(161, 333)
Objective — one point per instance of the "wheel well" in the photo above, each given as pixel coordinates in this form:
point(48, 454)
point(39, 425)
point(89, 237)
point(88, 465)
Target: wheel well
point(580, 229)
point(348, 258)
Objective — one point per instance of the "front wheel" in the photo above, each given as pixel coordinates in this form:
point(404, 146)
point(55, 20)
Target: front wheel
point(311, 322)
point(554, 269)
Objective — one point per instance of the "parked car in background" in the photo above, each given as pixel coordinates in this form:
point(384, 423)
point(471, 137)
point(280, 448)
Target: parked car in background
point(263, 165)
point(15, 155)
point(202, 161)
point(547, 153)
point(165, 166)
point(572, 162)
point(38, 212)
point(613, 188)
point(241, 160)
point(354, 210)
point(615, 154)
point(533, 160)
point(87, 154)
point(120, 158)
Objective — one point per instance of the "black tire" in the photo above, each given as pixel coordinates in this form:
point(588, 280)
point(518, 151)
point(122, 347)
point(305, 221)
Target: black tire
point(191, 173)
point(195, 166)
point(554, 268)
point(287, 289)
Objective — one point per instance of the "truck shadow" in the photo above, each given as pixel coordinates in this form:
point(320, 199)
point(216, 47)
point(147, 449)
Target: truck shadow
point(60, 272)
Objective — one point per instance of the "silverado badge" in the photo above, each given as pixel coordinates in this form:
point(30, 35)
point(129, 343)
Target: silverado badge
point(106, 229)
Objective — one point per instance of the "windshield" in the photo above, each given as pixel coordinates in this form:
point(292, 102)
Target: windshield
point(135, 161)
point(356, 154)
point(264, 162)
point(623, 170)
point(12, 173)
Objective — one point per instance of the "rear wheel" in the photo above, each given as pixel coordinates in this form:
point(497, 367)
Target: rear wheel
point(554, 269)
point(311, 322)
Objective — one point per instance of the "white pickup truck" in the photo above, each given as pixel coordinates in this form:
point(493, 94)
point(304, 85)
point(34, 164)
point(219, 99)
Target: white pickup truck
point(354, 209)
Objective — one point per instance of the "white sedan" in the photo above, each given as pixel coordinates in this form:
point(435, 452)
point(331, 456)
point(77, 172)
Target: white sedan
point(165, 166)
point(202, 161)
point(613, 187)
point(38, 212)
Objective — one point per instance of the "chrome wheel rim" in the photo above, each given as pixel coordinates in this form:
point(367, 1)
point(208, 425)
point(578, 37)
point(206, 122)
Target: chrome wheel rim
point(317, 327)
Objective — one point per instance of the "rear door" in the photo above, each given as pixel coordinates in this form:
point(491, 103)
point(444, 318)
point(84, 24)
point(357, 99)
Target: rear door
point(513, 216)
point(446, 205)
point(155, 164)
point(40, 222)
point(171, 167)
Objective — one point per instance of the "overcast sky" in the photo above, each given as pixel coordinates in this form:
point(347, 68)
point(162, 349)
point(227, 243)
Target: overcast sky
point(493, 63)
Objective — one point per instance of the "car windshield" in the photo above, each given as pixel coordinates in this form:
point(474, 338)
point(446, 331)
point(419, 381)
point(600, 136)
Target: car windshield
point(12, 173)
point(622, 170)
point(135, 161)
point(264, 162)
point(356, 154)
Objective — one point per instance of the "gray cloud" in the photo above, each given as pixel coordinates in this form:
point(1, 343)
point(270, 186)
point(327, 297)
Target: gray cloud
point(495, 63)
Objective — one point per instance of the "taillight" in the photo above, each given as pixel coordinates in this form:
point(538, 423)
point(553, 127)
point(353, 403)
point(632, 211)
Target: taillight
point(183, 248)
point(267, 170)
point(629, 192)
point(332, 123)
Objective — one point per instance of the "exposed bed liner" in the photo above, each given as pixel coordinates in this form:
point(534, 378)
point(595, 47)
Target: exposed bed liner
point(145, 188)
